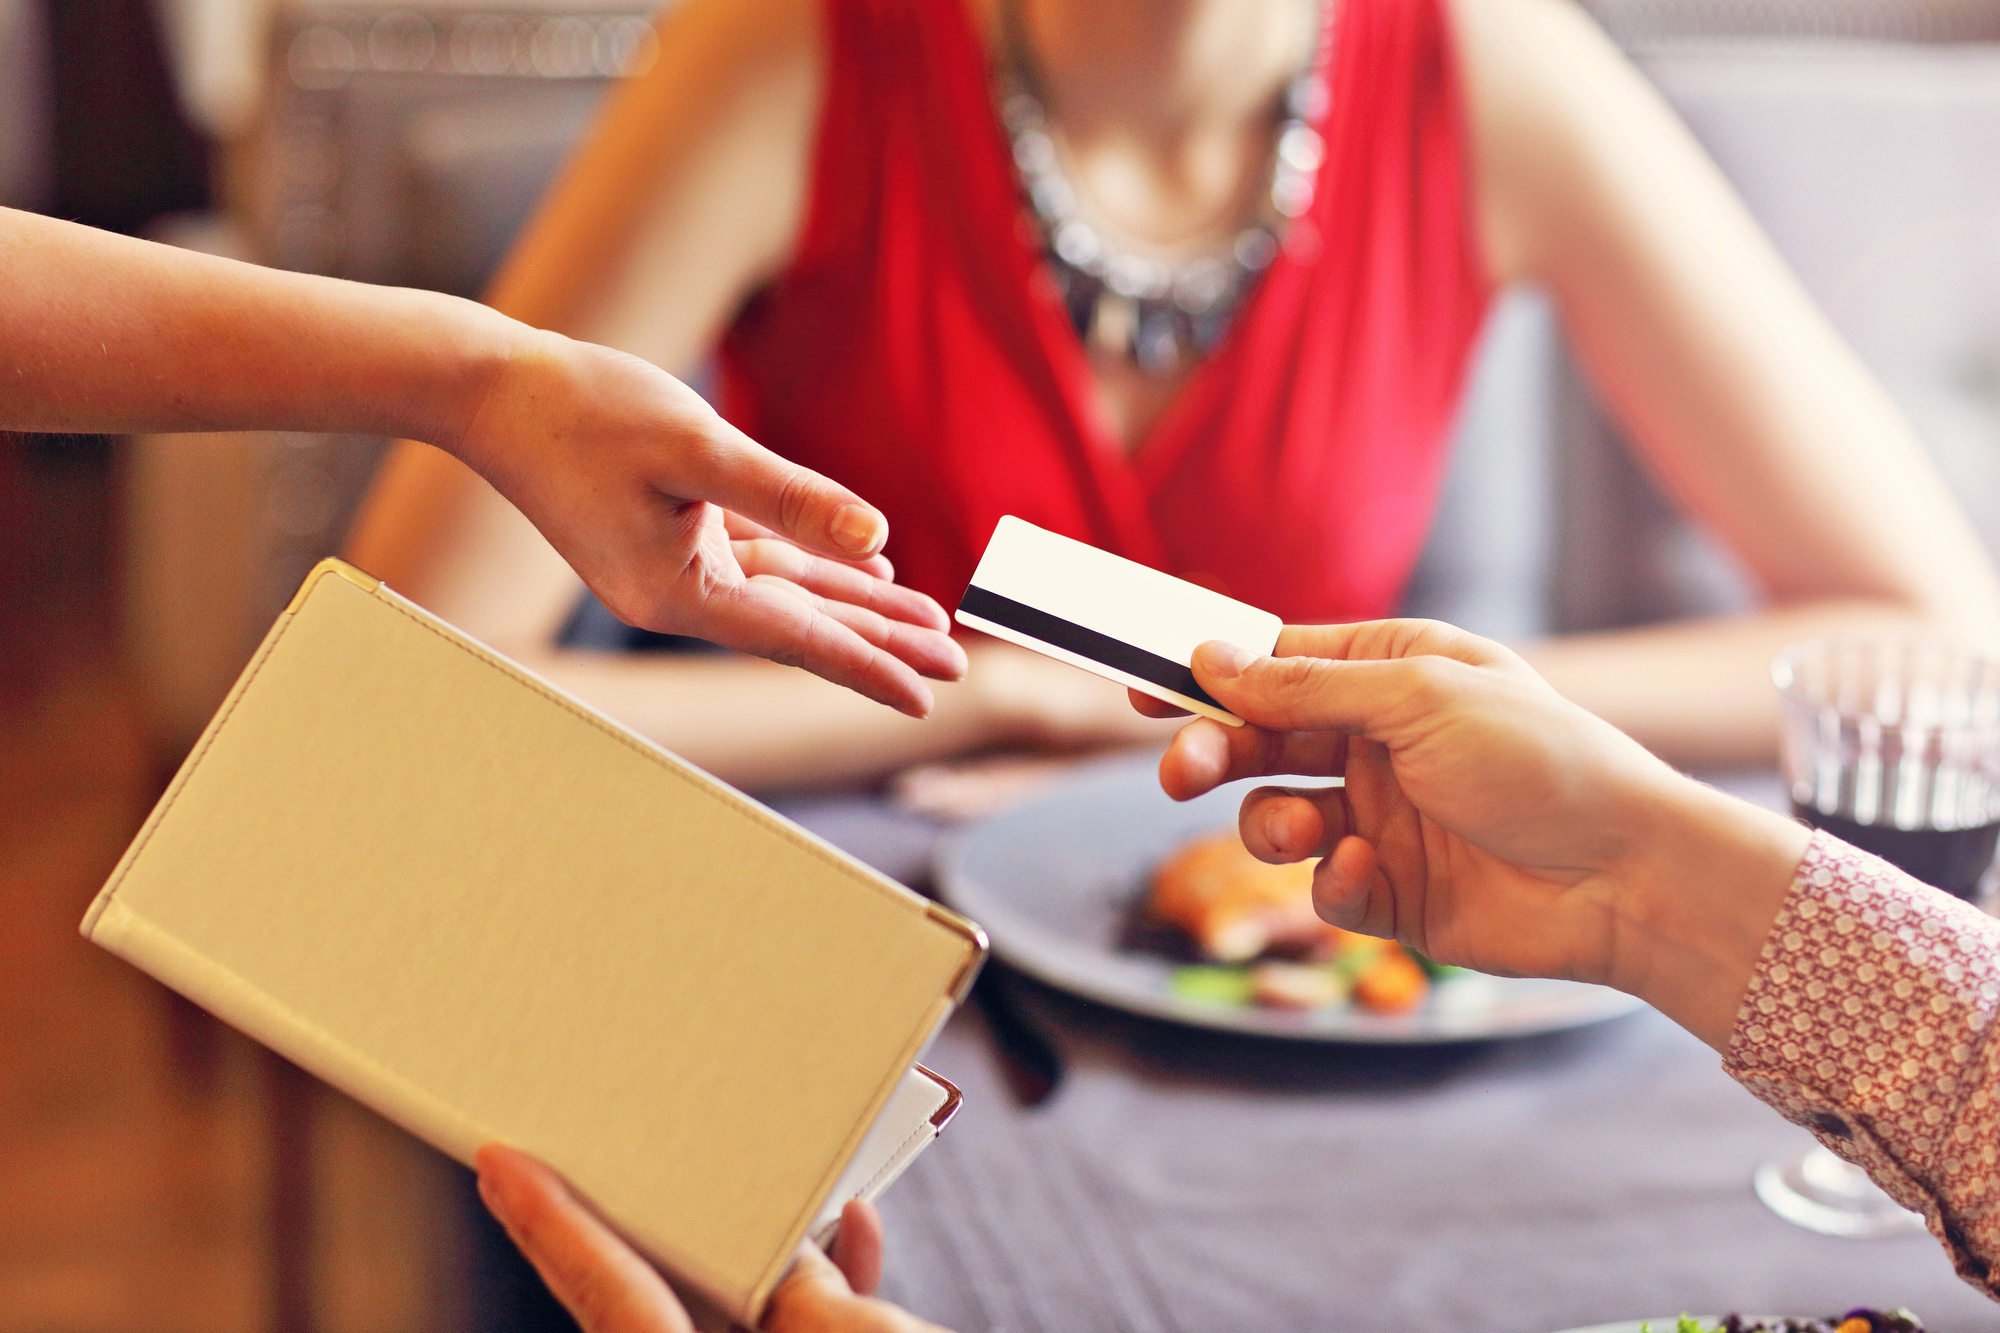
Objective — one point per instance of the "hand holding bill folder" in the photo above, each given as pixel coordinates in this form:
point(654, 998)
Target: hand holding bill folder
point(610, 1289)
point(496, 916)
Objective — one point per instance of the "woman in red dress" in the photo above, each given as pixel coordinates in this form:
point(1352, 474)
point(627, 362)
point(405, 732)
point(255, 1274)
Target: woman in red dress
point(1196, 281)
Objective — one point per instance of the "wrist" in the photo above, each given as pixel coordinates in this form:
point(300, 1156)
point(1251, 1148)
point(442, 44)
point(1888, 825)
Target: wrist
point(479, 351)
point(1697, 895)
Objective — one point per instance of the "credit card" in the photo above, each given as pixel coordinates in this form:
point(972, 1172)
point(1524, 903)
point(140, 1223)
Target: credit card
point(1109, 615)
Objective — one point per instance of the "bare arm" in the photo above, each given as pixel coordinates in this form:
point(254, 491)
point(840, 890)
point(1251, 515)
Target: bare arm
point(1592, 860)
point(619, 464)
point(104, 333)
point(688, 195)
point(1738, 393)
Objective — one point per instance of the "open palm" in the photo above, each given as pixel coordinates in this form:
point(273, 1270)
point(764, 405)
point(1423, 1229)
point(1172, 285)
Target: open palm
point(682, 524)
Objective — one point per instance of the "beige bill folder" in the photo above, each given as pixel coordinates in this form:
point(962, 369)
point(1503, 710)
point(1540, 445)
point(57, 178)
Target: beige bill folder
point(491, 913)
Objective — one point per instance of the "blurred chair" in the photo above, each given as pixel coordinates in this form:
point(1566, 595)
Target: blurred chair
point(1864, 134)
point(1877, 171)
point(24, 110)
point(407, 145)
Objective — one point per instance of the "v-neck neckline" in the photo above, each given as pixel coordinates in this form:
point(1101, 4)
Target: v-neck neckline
point(1063, 348)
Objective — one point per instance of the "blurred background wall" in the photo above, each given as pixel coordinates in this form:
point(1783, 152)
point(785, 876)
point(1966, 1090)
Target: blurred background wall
point(158, 1173)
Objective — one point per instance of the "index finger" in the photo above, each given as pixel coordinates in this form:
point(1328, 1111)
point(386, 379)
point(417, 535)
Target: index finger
point(598, 1277)
point(857, 1247)
point(1389, 640)
point(1361, 697)
point(1205, 754)
point(730, 469)
point(742, 530)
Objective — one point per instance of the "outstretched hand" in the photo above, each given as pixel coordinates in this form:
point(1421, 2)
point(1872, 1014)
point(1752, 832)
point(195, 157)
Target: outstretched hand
point(624, 469)
point(682, 524)
point(609, 1288)
point(1486, 820)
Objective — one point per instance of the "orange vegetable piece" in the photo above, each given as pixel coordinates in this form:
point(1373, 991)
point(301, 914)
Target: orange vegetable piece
point(1394, 985)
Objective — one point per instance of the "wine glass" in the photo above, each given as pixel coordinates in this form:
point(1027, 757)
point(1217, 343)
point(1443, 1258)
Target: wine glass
point(1891, 745)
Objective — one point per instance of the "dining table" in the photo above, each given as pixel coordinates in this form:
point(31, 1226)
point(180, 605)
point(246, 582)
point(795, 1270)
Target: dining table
point(1185, 1180)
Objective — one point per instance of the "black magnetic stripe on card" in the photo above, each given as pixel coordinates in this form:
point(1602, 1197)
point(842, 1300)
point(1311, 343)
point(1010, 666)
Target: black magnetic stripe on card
point(1100, 648)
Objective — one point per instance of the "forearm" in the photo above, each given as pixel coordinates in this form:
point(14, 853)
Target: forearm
point(1696, 898)
point(766, 727)
point(1869, 1021)
point(1698, 693)
point(104, 333)
point(1857, 1002)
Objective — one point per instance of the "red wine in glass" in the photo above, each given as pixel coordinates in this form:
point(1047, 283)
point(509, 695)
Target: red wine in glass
point(1954, 860)
point(1877, 732)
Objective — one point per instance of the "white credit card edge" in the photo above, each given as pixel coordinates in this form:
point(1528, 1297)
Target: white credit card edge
point(1145, 687)
point(1132, 603)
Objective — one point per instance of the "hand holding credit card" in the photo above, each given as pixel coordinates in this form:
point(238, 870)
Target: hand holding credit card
point(1111, 616)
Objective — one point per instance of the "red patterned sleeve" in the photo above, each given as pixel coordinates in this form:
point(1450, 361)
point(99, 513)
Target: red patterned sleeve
point(1868, 1021)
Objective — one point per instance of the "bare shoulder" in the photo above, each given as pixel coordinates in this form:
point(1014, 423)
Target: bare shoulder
point(692, 181)
point(1557, 114)
point(752, 31)
point(728, 61)
point(1542, 52)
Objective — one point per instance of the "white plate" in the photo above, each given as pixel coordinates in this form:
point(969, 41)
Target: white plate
point(1055, 882)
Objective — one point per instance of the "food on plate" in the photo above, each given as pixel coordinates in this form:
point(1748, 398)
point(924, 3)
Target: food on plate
point(1235, 907)
point(1861, 1320)
point(1214, 985)
point(1396, 984)
point(1265, 945)
point(1278, 984)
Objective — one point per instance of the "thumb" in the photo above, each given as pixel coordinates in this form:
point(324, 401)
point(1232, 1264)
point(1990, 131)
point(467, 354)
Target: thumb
point(734, 471)
point(814, 1289)
point(1307, 693)
point(817, 1299)
point(857, 1247)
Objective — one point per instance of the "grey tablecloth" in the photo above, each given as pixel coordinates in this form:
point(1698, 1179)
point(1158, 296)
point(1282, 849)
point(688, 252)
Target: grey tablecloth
point(1185, 1181)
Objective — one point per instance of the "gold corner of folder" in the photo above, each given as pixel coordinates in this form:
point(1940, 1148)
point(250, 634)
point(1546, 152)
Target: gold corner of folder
point(971, 930)
point(331, 565)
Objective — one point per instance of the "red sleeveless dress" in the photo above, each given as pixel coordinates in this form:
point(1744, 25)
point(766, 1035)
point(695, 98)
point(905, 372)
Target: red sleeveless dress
point(917, 351)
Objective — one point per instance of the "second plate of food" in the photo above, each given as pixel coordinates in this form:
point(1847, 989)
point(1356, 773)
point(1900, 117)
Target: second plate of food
point(1065, 886)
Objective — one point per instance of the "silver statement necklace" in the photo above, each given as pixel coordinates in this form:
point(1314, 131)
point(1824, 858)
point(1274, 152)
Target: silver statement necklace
point(1163, 314)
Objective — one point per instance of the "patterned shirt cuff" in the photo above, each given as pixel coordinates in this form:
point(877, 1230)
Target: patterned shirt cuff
point(1866, 1022)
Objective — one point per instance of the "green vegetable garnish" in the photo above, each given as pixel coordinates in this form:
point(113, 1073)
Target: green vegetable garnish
point(1211, 985)
point(1437, 971)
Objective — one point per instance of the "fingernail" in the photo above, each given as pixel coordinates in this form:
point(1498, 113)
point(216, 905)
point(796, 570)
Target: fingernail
point(1273, 830)
point(858, 528)
point(1226, 660)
